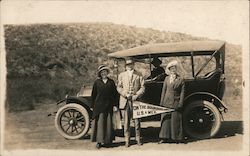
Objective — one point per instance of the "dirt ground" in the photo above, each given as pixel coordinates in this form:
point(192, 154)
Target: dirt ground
point(35, 130)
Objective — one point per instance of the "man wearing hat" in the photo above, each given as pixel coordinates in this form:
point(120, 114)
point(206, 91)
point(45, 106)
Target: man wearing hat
point(130, 87)
point(158, 73)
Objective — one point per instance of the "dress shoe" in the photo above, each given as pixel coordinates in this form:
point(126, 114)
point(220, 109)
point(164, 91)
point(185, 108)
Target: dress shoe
point(98, 145)
point(161, 141)
point(139, 143)
point(106, 145)
point(181, 141)
point(169, 141)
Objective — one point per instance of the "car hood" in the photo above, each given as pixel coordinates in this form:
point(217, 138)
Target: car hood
point(85, 91)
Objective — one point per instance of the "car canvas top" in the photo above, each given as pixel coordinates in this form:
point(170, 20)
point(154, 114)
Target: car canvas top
point(170, 49)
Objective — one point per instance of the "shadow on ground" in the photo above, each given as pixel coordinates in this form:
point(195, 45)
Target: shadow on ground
point(230, 128)
point(150, 134)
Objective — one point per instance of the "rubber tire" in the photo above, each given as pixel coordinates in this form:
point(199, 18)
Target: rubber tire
point(217, 116)
point(79, 108)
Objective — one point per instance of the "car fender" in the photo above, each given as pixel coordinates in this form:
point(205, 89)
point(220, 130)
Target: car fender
point(204, 95)
point(83, 101)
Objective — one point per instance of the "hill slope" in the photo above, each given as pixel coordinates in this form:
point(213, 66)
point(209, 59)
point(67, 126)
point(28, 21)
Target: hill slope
point(47, 61)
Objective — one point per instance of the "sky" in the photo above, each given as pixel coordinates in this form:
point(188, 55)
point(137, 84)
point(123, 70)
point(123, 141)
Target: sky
point(223, 20)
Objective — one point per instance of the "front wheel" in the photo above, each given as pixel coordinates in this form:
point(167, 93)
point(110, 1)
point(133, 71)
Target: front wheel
point(72, 121)
point(201, 119)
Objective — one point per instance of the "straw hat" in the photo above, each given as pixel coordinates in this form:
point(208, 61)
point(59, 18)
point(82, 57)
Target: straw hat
point(172, 63)
point(101, 68)
point(129, 61)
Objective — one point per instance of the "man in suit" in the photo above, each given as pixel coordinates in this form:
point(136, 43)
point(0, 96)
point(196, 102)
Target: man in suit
point(130, 87)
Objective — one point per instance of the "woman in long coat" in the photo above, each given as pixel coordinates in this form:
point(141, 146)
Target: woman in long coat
point(105, 100)
point(172, 97)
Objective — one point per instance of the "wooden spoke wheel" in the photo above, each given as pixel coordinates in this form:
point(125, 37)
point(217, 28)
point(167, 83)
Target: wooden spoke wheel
point(72, 121)
point(201, 120)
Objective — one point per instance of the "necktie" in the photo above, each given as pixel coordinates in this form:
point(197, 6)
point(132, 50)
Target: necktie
point(131, 85)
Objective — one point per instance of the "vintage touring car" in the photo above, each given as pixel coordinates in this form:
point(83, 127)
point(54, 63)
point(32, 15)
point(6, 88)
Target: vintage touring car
point(202, 64)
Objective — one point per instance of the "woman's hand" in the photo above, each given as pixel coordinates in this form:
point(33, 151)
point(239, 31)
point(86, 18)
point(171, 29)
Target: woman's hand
point(134, 97)
point(115, 109)
point(178, 109)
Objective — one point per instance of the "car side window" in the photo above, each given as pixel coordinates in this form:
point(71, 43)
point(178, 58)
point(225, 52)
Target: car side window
point(199, 61)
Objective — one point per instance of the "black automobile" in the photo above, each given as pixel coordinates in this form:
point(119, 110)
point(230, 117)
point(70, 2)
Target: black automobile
point(201, 65)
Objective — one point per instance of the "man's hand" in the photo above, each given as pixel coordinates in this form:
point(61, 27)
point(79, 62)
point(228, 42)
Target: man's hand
point(129, 96)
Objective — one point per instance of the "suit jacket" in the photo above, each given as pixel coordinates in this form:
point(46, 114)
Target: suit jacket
point(172, 95)
point(123, 86)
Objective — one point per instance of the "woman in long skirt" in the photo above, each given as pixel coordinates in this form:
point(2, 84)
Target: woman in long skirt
point(172, 97)
point(104, 97)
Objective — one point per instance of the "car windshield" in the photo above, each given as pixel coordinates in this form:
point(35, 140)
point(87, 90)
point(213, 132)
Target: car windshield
point(184, 67)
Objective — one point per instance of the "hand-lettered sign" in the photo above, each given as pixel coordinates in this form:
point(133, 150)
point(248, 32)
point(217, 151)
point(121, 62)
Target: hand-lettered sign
point(141, 109)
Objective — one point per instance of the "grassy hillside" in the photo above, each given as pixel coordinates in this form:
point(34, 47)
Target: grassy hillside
point(45, 61)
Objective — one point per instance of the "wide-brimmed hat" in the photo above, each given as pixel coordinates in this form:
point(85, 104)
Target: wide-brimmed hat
point(101, 68)
point(172, 63)
point(129, 61)
point(156, 61)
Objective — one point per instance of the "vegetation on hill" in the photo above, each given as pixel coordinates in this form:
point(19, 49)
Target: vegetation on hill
point(47, 61)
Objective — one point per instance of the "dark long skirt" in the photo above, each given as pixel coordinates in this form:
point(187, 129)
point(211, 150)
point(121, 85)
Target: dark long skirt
point(171, 126)
point(102, 129)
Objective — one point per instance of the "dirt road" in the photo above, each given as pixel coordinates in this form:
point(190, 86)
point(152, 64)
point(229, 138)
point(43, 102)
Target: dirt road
point(35, 130)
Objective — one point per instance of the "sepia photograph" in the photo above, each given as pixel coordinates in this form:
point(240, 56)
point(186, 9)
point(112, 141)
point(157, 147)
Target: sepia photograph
point(124, 77)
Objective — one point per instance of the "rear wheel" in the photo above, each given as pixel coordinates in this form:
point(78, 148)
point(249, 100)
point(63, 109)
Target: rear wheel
point(72, 121)
point(201, 120)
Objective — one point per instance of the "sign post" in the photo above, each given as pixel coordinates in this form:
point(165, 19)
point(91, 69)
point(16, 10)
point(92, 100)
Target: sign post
point(141, 109)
